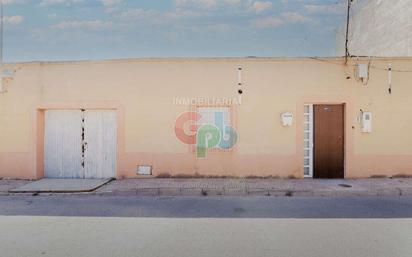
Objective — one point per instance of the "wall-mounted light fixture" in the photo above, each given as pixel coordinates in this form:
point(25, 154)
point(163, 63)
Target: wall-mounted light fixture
point(239, 79)
point(287, 119)
point(390, 78)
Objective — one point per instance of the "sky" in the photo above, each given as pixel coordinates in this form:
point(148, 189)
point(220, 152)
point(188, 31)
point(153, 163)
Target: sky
point(110, 29)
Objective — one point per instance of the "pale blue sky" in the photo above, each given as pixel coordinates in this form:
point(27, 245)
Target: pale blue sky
point(106, 29)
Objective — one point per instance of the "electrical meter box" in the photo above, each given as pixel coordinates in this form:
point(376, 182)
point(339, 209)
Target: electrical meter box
point(366, 122)
point(362, 71)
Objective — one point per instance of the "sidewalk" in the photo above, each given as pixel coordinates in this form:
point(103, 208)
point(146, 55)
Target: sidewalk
point(268, 187)
point(245, 187)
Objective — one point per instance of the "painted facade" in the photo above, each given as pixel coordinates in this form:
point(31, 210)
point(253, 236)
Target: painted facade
point(149, 96)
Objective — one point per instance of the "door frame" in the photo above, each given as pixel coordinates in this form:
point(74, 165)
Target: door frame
point(39, 130)
point(346, 140)
point(308, 121)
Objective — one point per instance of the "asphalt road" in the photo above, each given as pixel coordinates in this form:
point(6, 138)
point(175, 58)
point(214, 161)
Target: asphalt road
point(101, 226)
point(207, 207)
point(160, 237)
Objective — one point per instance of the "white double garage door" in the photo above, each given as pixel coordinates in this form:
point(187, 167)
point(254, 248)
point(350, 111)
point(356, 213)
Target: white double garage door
point(80, 144)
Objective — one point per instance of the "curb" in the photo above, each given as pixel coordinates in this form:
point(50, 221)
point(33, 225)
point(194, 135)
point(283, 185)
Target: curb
point(232, 191)
point(255, 192)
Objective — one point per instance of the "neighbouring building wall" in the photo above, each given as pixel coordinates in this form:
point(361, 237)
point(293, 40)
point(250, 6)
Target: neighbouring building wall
point(144, 92)
point(379, 28)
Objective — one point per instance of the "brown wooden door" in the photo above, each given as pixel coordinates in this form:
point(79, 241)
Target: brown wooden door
point(328, 141)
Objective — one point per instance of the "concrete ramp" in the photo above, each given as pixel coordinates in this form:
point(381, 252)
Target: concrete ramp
point(48, 185)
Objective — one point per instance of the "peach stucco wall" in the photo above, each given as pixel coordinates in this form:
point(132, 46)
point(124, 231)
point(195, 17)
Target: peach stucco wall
point(142, 92)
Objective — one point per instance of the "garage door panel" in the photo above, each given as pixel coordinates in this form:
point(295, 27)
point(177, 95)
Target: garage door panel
point(63, 144)
point(101, 143)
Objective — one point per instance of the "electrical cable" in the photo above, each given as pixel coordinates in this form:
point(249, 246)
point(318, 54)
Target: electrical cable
point(371, 66)
point(347, 54)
